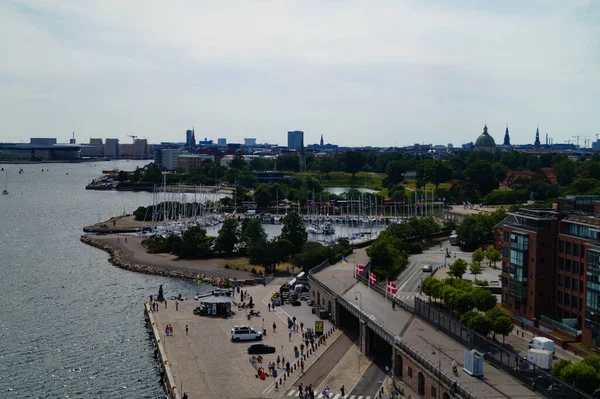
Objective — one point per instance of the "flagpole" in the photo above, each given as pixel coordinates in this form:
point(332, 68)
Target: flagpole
point(385, 310)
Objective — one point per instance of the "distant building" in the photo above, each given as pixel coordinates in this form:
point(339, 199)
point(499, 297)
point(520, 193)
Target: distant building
point(140, 148)
point(111, 148)
point(295, 140)
point(506, 137)
point(250, 142)
point(269, 176)
point(221, 142)
point(189, 162)
point(168, 158)
point(92, 150)
point(206, 142)
point(485, 142)
point(321, 142)
point(42, 141)
point(536, 143)
point(190, 138)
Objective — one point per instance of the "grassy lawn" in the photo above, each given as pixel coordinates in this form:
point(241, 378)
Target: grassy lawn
point(243, 264)
point(368, 180)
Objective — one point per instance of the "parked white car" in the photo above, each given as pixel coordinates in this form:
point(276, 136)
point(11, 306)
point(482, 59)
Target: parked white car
point(245, 333)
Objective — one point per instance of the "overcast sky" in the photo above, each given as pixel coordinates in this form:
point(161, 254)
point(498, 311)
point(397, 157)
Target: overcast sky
point(377, 73)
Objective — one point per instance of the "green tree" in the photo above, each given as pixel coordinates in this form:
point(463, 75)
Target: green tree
point(288, 162)
point(481, 324)
point(270, 253)
point(483, 299)
point(312, 254)
point(353, 162)
point(386, 258)
point(395, 172)
point(238, 162)
point(195, 243)
point(252, 233)
point(565, 172)
point(482, 175)
point(262, 196)
point(260, 164)
point(435, 171)
point(293, 230)
point(458, 268)
point(500, 171)
point(475, 268)
point(152, 174)
point(582, 375)
point(326, 165)
point(493, 256)
point(478, 255)
point(503, 326)
point(122, 176)
point(228, 238)
point(592, 170)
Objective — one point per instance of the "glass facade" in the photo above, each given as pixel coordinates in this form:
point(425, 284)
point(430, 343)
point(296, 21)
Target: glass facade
point(519, 248)
point(592, 299)
point(581, 231)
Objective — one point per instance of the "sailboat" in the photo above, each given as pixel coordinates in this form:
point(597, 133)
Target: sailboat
point(5, 191)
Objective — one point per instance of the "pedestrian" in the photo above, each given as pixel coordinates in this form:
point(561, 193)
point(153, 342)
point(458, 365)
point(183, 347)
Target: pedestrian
point(177, 306)
point(302, 366)
point(278, 361)
point(306, 342)
point(171, 329)
point(301, 390)
point(269, 305)
point(125, 239)
point(294, 320)
point(165, 303)
point(287, 365)
point(186, 329)
point(274, 327)
point(167, 330)
point(301, 326)
point(343, 391)
point(290, 335)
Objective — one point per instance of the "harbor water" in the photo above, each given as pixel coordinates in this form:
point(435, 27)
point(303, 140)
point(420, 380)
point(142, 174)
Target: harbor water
point(72, 324)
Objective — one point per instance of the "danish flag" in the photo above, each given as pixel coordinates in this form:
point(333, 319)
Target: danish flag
point(391, 288)
point(372, 278)
point(360, 269)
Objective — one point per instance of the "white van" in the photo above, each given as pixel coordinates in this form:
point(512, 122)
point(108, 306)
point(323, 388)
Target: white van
point(542, 343)
point(251, 212)
point(245, 333)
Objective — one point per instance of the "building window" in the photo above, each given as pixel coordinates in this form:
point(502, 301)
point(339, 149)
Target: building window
point(575, 267)
point(409, 372)
point(530, 293)
point(567, 300)
point(561, 263)
point(568, 265)
point(567, 282)
point(433, 392)
point(560, 280)
point(575, 303)
point(575, 285)
point(576, 250)
point(505, 252)
point(583, 252)
point(559, 297)
point(506, 236)
point(561, 246)
point(569, 248)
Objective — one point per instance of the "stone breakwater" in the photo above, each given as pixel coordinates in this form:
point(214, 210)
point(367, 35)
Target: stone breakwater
point(119, 260)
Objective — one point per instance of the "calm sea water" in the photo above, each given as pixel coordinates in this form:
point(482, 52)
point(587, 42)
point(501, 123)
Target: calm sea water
point(72, 324)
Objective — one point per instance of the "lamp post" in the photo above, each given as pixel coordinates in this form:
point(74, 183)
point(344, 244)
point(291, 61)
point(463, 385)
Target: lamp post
point(439, 367)
point(356, 296)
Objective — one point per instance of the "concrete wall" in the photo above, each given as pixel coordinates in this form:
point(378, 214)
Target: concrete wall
point(417, 378)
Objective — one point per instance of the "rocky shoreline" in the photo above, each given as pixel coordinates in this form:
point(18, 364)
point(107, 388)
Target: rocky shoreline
point(117, 259)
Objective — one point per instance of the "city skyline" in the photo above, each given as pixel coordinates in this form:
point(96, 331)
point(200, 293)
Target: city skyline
point(381, 75)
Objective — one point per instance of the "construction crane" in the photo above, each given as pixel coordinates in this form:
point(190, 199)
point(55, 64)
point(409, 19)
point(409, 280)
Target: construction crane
point(579, 137)
point(132, 136)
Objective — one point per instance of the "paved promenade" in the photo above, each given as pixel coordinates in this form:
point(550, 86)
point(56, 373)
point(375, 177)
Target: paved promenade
point(205, 363)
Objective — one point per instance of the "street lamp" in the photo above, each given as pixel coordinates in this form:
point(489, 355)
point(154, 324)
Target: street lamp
point(356, 294)
point(439, 367)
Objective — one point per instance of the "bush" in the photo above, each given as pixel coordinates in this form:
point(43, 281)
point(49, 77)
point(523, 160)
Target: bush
point(481, 283)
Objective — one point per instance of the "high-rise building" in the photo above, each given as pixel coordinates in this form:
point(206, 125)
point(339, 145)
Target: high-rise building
point(190, 138)
point(222, 142)
point(250, 142)
point(140, 148)
point(111, 148)
point(295, 140)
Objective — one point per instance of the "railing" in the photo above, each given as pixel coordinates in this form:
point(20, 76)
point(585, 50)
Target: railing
point(386, 334)
point(500, 356)
point(382, 291)
point(557, 324)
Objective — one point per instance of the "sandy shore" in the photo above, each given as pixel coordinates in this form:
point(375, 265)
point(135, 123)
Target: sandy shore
point(131, 255)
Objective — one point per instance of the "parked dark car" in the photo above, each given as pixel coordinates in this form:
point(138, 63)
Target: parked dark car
point(260, 349)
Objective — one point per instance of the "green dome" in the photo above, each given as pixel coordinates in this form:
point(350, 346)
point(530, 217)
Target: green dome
point(485, 141)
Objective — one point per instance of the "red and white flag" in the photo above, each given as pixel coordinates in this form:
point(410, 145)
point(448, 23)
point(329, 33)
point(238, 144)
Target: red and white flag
point(360, 269)
point(372, 278)
point(391, 288)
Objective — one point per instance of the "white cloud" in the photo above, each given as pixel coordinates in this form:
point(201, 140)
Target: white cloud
point(361, 73)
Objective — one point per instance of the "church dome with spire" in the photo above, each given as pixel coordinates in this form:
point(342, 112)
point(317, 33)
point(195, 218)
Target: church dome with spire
point(485, 142)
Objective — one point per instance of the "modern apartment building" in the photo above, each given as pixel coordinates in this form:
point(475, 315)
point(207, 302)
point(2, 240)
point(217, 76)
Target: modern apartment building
point(551, 265)
point(295, 140)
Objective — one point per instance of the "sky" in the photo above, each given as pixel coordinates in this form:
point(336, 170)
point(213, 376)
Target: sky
point(361, 73)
